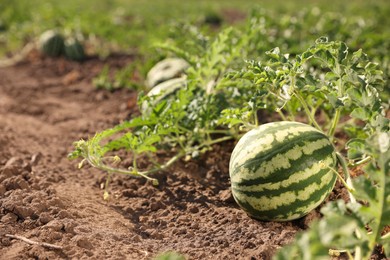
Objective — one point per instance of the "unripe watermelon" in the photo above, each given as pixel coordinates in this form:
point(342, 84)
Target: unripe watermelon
point(281, 171)
point(74, 50)
point(51, 43)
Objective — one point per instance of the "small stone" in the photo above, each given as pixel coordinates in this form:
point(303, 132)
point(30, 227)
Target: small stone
point(6, 241)
point(45, 218)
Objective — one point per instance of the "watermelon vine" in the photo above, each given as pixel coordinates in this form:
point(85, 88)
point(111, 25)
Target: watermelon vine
point(327, 86)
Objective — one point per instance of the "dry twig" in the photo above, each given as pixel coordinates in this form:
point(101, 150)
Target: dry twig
point(32, 242)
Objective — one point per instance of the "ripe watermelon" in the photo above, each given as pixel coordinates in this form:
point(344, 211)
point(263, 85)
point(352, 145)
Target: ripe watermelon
point(280, 171)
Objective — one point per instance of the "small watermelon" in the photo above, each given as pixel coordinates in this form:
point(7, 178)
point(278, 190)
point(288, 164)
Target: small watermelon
point(74, 50)
point(51, 43)
point(165, 70)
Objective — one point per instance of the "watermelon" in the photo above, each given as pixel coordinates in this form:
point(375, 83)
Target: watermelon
point(163, 91)
point(164, 70)
point(51, 43)
point(281, 171)
point(74, 50)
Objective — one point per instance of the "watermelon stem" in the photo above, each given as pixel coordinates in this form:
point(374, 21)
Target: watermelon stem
point(363, 161)
point(349, 188)
point(307, 110)
point(335, 121)
point(279, 111)
point(347, 182)
point(337, 253)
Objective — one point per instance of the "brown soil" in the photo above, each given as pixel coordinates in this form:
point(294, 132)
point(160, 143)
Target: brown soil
point(46, 105)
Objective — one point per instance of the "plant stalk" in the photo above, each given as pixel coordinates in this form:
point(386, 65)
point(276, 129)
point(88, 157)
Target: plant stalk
point(335, 121)
point(381, 205)
point(347, 182)
point(307, 110)
point(363, 161)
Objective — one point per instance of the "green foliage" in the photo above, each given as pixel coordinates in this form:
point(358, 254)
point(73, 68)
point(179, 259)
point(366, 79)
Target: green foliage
point(111, 81)
point(327, 77)
point(186, 124)
point(332, 85)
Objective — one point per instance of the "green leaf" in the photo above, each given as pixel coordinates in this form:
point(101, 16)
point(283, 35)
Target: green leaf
point(361, 113)
point(355, 148)
point(274, 53)
point(322, 40)
point(342, 52)
point(334, 99)
point(365, 189)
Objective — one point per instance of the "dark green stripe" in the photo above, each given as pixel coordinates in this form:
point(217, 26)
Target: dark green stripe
point(285, 210)
point(303, 139)
point(302, 163)
point(315, 178)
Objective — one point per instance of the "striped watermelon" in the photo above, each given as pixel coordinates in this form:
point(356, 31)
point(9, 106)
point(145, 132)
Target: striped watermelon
point(51, 43)
point(74, 50)
point(280, 171)
point(163, 91)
